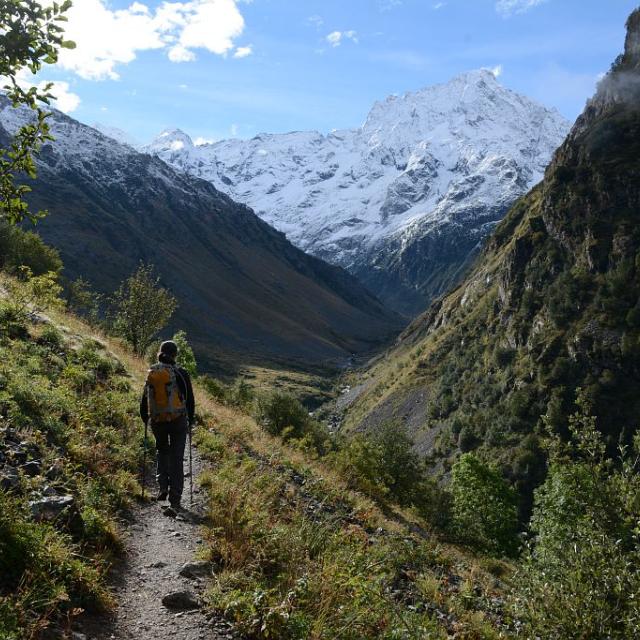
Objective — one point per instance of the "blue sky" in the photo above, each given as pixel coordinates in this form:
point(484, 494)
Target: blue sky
point(226, 68)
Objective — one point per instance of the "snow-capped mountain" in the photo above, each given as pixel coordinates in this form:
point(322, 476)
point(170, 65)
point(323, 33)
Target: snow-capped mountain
point(404, 200)
point(245, 293)
point(117, 134)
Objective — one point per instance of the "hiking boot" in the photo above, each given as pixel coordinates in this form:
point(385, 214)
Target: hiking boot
point(175, 505)
point(162, 496)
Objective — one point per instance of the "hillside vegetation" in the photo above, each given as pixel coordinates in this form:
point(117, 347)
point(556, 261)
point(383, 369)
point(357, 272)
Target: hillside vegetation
point(69, 458)
point(299, 553)
point(310, 536)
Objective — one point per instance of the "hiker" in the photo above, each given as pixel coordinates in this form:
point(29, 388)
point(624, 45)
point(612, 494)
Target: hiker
point(168, 406)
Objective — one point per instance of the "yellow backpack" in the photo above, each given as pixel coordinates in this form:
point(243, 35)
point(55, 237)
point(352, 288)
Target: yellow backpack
point(164, 398)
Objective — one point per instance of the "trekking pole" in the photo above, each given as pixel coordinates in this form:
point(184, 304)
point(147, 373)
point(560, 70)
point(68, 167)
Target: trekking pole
point(190, 467)
point(144, 459)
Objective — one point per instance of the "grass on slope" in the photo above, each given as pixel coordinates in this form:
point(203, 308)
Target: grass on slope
point(69, 434)
point(299, 555)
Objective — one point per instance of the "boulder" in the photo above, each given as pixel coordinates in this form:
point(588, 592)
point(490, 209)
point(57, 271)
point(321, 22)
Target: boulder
point(55, 470)
point(32, 468)
point(181, 600)
point(9, 479)
point(50, 507)
point(194, 570)
point(18, 454)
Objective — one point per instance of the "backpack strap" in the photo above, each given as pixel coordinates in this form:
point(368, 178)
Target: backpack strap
point(186, 388)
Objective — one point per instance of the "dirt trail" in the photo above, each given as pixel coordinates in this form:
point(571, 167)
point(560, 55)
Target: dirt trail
point(157, 547)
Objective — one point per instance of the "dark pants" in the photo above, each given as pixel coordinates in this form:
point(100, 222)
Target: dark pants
point(171, 438)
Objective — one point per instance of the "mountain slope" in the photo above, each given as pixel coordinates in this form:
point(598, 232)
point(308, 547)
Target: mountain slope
point(551, 306)
point(244, 291)
point(403, 202)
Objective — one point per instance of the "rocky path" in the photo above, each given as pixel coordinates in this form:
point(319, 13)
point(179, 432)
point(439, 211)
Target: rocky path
point(160, 584)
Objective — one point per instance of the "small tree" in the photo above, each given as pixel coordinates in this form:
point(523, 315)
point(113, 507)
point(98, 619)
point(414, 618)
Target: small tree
point(186, 357)
point(579, 577)
point(84, 300)
point(33, 294)
point(484, 506)
point(30, 36)
point(141, 308)
point(24, 248)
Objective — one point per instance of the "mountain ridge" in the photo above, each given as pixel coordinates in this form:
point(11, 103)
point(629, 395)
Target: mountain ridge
point(245, 292)
point(404, 201)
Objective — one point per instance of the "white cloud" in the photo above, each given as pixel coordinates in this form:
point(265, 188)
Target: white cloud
point(233, 129)
point(107, 38)
point(335, 38)
point(508, 8)
point(243, 52)
point(439, 5)
point(210, 25)
point(199, 141)
point(65, 100)
point(178, 53)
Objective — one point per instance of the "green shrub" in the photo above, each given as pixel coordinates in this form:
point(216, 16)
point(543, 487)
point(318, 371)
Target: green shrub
point(20, 248)
point(467, 438)
point(384, 465)
point(242, 394)
point(483, 506)
point(186, 358)
point(13, 323)
point(284, 416)
point(579, 577)
point(31, 293)
point(215, 388)
point(51, 337)
point(281, 411)
point(82, 299)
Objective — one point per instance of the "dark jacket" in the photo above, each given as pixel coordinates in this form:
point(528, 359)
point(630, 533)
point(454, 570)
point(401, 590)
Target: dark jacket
point(184, 384)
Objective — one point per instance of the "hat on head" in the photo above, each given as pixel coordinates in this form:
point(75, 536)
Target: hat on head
point(168, 349)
